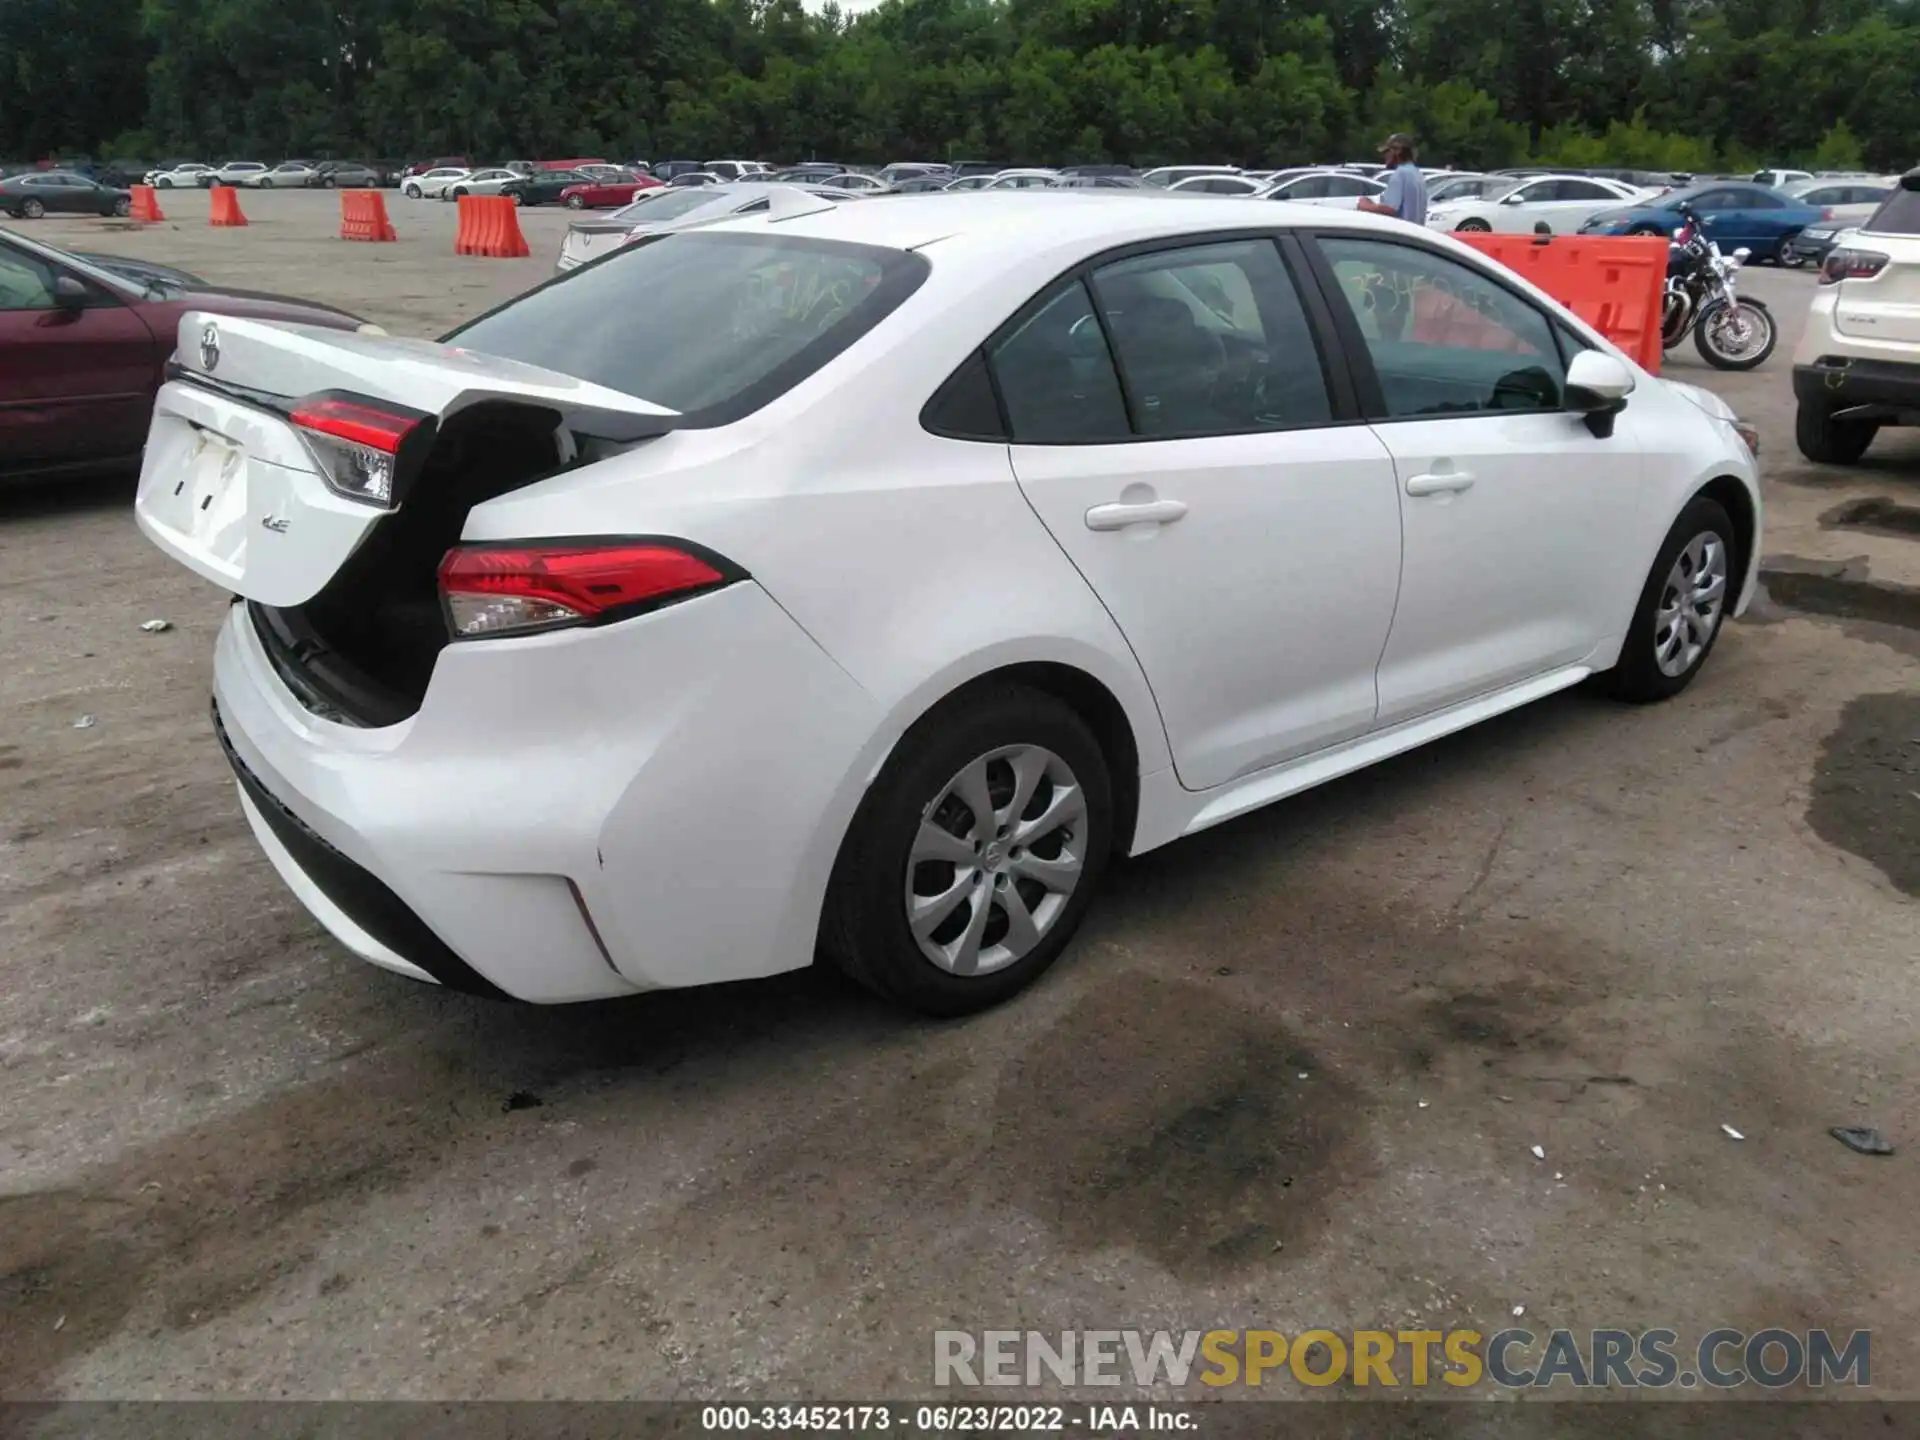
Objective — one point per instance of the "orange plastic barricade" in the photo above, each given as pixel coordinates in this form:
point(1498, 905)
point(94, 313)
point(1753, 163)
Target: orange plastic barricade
point(489, 225)
point(226, 207)
point(363, 216)
point(145, 206)
point(1613, 282)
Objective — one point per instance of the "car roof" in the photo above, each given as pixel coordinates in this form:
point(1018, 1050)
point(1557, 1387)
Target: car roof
point(989, 229)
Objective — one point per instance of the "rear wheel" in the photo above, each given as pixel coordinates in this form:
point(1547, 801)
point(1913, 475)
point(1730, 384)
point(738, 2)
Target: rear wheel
point(328, 182)
point(975, 854)
point(1681, 609)
point(1789, 255)
point(1644, 230)
point(33, 209)
point(1827, 441)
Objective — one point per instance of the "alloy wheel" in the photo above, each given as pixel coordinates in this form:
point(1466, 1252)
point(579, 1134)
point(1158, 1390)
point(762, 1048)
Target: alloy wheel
point(1692, 603)
point(998, 854)
point(33, 209)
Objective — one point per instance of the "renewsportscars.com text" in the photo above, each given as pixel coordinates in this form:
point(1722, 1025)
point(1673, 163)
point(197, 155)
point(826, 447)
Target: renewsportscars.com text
point(1721, 1359)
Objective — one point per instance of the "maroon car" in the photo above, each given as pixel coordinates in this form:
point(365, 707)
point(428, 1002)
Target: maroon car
point(82, 349)
point(601, 194)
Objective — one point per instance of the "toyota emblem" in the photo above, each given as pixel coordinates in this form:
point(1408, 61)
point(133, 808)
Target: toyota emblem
point(209, 347)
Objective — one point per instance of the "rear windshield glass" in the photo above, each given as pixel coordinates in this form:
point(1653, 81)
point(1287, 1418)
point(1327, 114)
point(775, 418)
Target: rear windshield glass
point(673, 204)
point(713, 325)
point(1899, 214)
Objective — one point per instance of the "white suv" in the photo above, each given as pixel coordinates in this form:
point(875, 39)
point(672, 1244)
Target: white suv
point(1858, 365)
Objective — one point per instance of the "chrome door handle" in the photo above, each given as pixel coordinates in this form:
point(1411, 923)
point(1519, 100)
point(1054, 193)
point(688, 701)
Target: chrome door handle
point(1117, 515)
point(1440, 482)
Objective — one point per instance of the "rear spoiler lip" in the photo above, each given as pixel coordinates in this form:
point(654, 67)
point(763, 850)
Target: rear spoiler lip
point(594, 422)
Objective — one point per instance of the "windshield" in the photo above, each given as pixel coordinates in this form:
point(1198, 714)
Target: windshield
point(712, 325)
point(92, 269)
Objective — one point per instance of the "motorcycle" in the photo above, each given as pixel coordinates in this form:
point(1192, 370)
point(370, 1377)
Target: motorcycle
point(1731, 332)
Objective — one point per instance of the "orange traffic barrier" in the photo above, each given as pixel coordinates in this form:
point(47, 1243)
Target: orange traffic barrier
point(145, 206)
point(226, 207)
point(363, 216)
point(1613, 282)
point(489, 225)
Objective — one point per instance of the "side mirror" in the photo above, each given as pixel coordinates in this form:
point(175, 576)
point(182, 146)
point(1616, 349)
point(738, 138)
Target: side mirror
point(69, 293)
point(1598, 385)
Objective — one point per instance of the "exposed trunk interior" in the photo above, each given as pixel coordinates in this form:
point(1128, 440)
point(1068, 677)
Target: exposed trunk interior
point(363, 649)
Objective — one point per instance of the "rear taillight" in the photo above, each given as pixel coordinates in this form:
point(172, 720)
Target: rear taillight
point(1845, 264)
point(357, 442)
point(512, 589)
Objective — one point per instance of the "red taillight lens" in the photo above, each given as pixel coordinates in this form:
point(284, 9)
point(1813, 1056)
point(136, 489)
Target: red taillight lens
point(1845, 264)
point(503, 590)
point(357, 443)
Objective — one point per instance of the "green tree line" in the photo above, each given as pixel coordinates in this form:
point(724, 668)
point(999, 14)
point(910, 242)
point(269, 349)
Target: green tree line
point(1667, 84)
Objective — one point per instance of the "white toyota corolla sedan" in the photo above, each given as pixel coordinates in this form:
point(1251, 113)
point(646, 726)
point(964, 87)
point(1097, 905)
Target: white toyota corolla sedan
point(900, 565)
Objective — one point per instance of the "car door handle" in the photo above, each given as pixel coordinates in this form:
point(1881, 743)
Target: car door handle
point(1440, 482)
point(1119, 514)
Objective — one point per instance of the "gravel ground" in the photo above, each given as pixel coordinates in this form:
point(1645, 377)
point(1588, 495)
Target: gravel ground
point(1290, 1076)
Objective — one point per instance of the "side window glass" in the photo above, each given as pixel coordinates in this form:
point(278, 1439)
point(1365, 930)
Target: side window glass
point(1212, 340)
point(25, 284)
point(1444, 338)
point(1057, 376)
point(964, 407)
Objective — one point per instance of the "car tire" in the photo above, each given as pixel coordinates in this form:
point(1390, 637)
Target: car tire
point(514, 195)
point(163, 183)
point(32, 209)
point(1664, 648)
point(575, 202)
point(263, 184)
point(1644, 230)
point(412, 192)
point(457, 195)
point(122, 208)
point(982, 733)
point(1473, 227)
point(1827, 441)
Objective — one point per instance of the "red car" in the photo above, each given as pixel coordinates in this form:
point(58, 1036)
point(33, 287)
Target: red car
point(606, 194)
point(83, 349)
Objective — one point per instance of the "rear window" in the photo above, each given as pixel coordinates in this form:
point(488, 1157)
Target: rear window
point(672, 205)
point(1899, 214)
point(712, 325)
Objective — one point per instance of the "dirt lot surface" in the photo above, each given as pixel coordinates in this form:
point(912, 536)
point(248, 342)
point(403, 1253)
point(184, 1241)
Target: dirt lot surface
point(1290, 1076)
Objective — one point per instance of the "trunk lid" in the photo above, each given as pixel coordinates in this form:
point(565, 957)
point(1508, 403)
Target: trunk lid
point(234, 489)
point(1885, 308)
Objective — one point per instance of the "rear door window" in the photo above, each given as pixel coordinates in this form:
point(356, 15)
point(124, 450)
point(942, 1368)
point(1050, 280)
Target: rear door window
point(1212, 340)
point(712, 325)
point(1056, 375)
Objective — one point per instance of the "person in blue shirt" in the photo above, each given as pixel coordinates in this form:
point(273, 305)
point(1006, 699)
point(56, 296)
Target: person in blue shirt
point(1406, 194)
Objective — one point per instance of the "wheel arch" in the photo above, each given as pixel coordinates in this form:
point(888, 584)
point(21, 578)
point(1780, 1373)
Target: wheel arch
point(1738, 501)
point(1090, 699)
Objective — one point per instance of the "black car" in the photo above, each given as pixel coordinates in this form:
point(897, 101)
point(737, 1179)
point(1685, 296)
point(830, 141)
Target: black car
point(1100, 171)
point(1084, 181)
point(544, 188)
point(963, 168)
point(345, 175)
point(60, 192)
point(811, 174)
point(923, 184)
point(668, 169)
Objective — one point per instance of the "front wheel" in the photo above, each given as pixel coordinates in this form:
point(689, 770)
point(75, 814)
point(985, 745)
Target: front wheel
point(575, 202)
point(975, 854)
point(1473, 227)
point(1644, 230)
point(264, 185)
point(328, 182)
point(1827, 441)
point(123, 208)
point(33, 209)
point(1735, 337)
point(1681, 608)
point(1789, 256)
point(163, 183)
point(458, 194)
point(412, 192)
